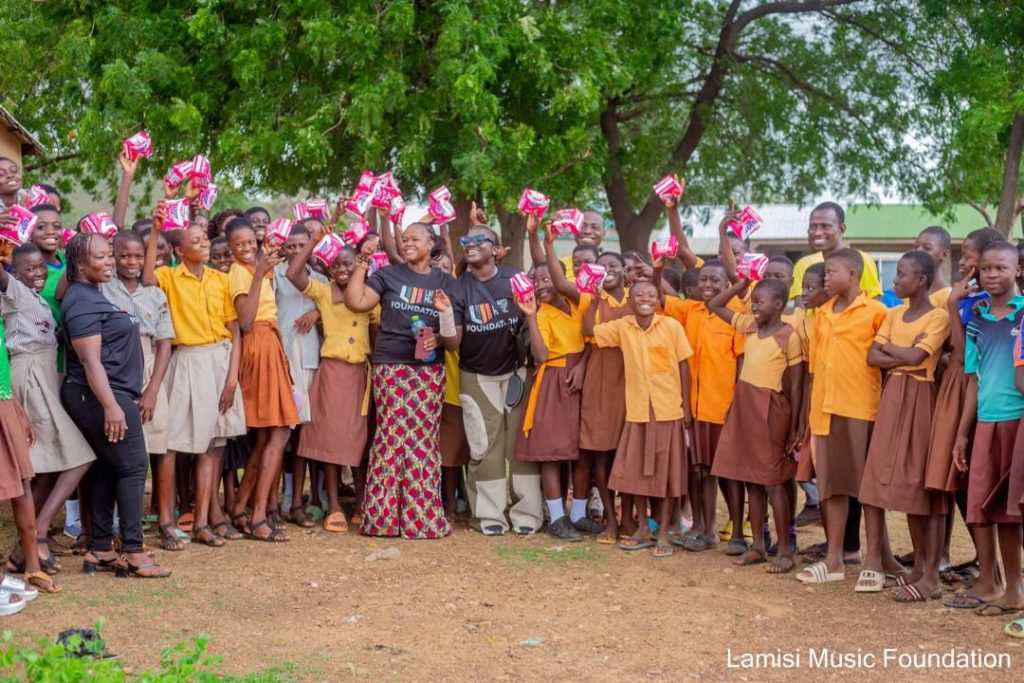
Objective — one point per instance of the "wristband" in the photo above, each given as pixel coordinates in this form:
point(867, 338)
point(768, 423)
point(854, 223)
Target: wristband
point(447, 323)
point(363, 261)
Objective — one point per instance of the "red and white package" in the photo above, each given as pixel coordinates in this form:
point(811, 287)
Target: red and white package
point(397, 210)
point(328, 248)
point(207, 196)
point(522, 286)
point(441, 194)
point(533, 203)
point(36, 196)
point(752, 266)
point(567, 221)
point(590, 277)
point(312, 208)
point(66, 236)
point(378, 260)
point(100, 223)
point(387, 190)
point(356, 233)
point(178, 174)
point(666, 248)
point(20, 233)
point(441, 212)
point(277, 233)
point(200, 174)
point(138, 146)
point(669, 187)
point(177, 216)
point(746, 224)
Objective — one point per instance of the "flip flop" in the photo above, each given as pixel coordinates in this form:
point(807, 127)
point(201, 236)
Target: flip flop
point(819, 573)
point(965, 601)
point(910, 593)
point(632, 544)
point(751, 556)
point(869, 581)
point(605, 539)
point(185, 522)
point(896, 580)
point(995, 609)
point(1015, 629)
point(662, 552)
point(336, 522)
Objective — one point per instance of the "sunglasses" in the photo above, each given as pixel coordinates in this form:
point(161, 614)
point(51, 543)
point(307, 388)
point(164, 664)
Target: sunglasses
point(478, 240)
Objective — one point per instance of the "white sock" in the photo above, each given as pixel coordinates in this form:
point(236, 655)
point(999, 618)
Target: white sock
point(579, 510)
point(556, 509)
point(72, 514)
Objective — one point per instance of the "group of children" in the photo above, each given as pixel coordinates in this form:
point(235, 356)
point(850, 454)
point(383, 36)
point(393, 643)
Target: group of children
point(658, 391)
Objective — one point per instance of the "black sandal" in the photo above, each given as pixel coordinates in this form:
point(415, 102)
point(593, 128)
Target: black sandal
point(300, 518)
point(226, 531)
point(207, 536)
point(123, 568)
point(275, 520)
point(275, 536)
point(97, 565)
point(169, 540)
point(244, 526)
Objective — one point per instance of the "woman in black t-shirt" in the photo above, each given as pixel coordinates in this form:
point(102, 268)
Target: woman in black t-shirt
point(486, 322)
point(403, 480)
point(102, 385)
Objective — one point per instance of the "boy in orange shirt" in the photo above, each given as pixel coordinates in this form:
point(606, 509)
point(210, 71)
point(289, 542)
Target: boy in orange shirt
point(713, 368)
point(844, 401)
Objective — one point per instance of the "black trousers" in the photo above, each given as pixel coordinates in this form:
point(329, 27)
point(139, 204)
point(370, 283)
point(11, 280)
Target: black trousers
point(119, 473)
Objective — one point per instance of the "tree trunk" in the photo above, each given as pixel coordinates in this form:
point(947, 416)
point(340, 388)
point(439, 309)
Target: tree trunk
point(513, 234)
point(1011, 177)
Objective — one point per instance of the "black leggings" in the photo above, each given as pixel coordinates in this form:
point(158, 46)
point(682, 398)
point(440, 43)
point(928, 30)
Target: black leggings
point(119, 473)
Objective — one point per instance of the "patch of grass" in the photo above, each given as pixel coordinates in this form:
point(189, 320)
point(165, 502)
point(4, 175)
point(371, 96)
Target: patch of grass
point(554, 556)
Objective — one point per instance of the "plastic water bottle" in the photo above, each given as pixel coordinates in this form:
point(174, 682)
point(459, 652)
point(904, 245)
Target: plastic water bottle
point(417, 323)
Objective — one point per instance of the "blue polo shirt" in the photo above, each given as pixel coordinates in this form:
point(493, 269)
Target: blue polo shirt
point(991, 344)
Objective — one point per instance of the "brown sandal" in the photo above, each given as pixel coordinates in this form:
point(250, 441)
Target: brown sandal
point(336, 522)
point(124, 568)
point(42, 582)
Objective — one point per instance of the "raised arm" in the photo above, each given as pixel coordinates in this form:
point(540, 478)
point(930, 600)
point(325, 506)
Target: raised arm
point(536, 251)
point(719, 304)
point(561, 283)
point(128, 168)
point(149, 264)
point(675, 228)
point(359, 297)
point(588, 320)
point(957, 339)
point(725, 254)
point(391, 237)
point(297, 272)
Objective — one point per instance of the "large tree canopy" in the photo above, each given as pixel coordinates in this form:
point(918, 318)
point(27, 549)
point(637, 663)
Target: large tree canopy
point(590, 101)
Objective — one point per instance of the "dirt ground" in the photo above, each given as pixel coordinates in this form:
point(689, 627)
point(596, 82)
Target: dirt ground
point(473, 608)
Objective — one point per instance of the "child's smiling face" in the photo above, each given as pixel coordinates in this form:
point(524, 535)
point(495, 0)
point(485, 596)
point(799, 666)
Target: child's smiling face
point(243, 245)
point(712, 281)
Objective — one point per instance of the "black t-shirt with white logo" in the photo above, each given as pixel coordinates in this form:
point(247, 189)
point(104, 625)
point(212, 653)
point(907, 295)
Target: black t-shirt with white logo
point(85, 312)
point(489, 318)
point(405, 293)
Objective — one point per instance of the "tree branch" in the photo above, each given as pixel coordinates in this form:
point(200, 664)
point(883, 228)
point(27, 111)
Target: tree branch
point(45, 163)
point(980, 208)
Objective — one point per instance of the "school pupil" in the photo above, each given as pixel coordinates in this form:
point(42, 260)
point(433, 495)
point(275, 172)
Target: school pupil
point(201, 380)
point(550, 429)
point(220, 254)
point(764, 413)
point(813, 295)
point(263, 375)
point(588, 241)
point(995, 401)
point(650, 461)
point(717, 347)
point(339, 395)
point(844, 402)
point(602, 412)
point(907, 346)
point(936, 242)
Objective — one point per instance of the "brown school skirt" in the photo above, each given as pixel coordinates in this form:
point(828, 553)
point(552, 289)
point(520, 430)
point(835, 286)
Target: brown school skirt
point(805, 463)
point(15, 465)
point(265, 381)
point(752, 447)
point(898, 455)
point(989, 477)
point(940, 472)
point(454, 446)
point(650, 460)
point(839, 457)
point(603, 405)
point(555, 436)
point(705, 437)
point(336, 431)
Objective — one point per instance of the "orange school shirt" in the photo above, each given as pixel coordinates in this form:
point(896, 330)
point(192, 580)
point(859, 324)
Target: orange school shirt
point(844, 384)
point(651, 359)
point(200, 308)
point(562, 333)
point(716, 346)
